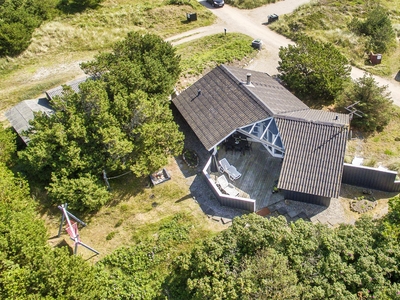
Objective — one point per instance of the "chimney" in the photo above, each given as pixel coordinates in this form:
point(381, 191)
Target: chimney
point(248, 81)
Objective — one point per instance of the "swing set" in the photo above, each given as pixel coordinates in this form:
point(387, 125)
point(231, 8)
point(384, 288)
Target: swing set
point(72, 228)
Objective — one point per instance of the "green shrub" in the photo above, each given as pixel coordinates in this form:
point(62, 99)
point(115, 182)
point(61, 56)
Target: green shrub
point(248, 4)
point(119, 223)
point(378, 27)
point(110, 236)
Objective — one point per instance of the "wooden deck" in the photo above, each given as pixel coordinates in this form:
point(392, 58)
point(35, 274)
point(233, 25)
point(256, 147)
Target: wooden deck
point(260, 173)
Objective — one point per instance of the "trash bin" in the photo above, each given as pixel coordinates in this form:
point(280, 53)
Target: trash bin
point(375, 58)
point(191, 16)
point(257, 44)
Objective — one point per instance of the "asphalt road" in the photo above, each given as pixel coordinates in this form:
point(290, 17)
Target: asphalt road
point(250, 22)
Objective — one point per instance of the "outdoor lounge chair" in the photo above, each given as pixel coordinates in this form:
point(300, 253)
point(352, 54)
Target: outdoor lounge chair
point(227, 187)
point(226, 167)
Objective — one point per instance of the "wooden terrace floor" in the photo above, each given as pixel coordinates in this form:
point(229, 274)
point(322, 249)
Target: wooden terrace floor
point(260, 172)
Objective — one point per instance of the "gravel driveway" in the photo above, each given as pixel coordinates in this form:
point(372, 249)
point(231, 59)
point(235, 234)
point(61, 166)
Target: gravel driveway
point(249, 22)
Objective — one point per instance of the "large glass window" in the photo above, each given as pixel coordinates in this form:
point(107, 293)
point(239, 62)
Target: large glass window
point(267, 133)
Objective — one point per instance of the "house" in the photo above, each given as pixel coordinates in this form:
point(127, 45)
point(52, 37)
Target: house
point(21, 114)
point(311, 142)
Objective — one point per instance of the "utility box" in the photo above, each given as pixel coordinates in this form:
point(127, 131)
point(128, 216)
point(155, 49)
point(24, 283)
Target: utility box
point(257, 44)
point(191, 17)
point(375, 58)
point(273, 18)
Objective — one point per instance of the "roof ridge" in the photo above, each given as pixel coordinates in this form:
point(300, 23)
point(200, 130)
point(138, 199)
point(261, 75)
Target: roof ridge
point(246, 90)
point(300, 119)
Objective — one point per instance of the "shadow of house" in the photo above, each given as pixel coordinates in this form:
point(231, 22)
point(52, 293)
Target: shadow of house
point(310, 143)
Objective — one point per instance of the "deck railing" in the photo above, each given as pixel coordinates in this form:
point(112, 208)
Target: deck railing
point(226, 200)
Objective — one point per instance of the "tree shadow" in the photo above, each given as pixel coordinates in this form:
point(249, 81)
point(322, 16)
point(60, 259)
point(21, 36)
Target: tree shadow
point(74, 7)
point(63, 243)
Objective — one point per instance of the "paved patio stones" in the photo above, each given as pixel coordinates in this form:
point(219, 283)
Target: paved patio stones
point(282, 210)
point(303, 216)
point(226, 220)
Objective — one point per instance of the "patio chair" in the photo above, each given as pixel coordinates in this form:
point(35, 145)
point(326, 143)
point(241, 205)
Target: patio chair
point(226, 186)
point(226, 167)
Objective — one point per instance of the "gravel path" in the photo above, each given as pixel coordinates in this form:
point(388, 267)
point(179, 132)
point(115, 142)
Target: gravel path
point(250, 22)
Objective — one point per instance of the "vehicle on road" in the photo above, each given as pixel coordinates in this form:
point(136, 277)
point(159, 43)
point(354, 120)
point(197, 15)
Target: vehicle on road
point(216, 3)
point(273, 18)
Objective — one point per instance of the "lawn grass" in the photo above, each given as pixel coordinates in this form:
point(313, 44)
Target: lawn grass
point(205, 53)
point(327, 21)
point(380, 148)
point(137, 213)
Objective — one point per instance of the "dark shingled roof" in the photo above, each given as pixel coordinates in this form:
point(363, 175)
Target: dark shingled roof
point(20, 115)
point(314, 155)
point(273, 95)
point(314, 140)
point(223, 105)
point(57, 91)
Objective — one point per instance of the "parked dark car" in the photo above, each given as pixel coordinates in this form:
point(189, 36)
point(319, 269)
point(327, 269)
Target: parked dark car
point(273, 18)
point(216, 3)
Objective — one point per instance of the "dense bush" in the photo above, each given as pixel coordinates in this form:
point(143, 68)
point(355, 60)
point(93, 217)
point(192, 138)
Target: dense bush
point(138, 272)
point(373, 102)
point(378, 27)
point(257, 258)
point(313, 69)
point(248, 4)
point(29, 267)
point(7, 145)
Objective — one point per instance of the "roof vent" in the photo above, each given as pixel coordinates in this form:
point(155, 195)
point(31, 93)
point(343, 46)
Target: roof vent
point(198, 93)
point(336, 117)
point(248, 81)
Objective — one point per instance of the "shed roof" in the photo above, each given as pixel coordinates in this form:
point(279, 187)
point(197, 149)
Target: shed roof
point(57, 91)
point(313, 162)
point(20, 115)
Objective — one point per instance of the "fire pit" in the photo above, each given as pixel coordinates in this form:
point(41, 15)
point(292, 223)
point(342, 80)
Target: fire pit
point(159, 177)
